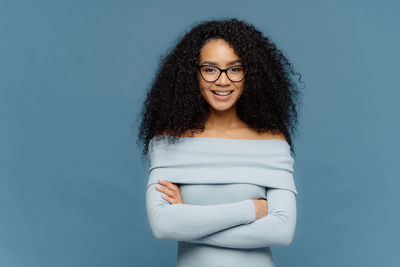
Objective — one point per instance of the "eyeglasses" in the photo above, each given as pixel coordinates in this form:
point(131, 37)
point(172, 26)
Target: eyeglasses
point(212, 73)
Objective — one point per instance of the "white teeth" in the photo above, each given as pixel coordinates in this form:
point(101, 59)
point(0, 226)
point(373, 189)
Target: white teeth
point(222, 93)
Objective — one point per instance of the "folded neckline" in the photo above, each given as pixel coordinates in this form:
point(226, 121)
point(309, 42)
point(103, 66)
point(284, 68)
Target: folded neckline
point(233, 139)
point(208, 160)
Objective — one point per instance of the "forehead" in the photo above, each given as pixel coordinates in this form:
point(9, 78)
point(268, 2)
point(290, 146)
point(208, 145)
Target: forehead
point(218, 51)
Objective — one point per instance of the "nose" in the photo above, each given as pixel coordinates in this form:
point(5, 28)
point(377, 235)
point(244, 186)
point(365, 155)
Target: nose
point(223, 79)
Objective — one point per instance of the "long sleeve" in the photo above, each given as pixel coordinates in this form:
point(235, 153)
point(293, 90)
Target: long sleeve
point(186, 222)
point(277, 228)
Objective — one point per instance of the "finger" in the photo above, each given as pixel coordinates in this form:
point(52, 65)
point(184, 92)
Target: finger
point(169, 199)
point(165, 190)
point(173, 187)
point(165, 182)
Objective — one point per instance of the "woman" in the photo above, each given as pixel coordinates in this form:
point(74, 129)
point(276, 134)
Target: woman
point(218, 125)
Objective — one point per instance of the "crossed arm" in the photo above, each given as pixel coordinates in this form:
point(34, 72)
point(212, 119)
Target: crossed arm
point(227, 225)
point(277, 228)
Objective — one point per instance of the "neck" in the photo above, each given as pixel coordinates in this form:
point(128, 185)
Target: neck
point(221, 120)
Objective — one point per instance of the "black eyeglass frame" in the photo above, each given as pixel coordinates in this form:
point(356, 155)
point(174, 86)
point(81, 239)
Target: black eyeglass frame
point(221, 71)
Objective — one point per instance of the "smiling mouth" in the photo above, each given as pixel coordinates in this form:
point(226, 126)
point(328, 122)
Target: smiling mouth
point(222, 93)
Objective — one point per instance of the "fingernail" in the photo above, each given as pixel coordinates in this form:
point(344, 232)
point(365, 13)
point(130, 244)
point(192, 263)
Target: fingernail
point(161, 180)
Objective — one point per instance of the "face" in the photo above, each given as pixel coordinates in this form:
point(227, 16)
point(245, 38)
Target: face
point(218, 52)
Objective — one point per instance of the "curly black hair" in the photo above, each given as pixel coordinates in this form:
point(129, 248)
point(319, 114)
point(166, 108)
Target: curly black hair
point(174, 104)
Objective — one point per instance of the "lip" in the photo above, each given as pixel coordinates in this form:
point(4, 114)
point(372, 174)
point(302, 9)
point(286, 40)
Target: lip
point(222, 98)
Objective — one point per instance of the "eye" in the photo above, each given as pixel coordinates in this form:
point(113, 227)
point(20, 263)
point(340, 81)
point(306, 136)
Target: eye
point(236, 68)
point(209, 69)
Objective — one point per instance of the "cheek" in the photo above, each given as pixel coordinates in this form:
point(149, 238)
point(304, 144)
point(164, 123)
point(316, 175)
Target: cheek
point(203, 84)
point(240, 86)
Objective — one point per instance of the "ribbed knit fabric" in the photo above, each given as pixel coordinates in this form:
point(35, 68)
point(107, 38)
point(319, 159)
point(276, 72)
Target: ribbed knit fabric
point(218, 178)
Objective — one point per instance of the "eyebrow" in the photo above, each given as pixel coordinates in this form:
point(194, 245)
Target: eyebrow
point(213, 63)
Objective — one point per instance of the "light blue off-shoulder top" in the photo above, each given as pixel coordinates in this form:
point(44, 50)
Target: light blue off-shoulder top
point(218, 178)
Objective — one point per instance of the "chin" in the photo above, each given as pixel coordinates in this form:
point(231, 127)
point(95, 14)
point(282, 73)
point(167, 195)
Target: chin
point(221, 106)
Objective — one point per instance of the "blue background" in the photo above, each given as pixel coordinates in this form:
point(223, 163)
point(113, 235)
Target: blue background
point(73, 76)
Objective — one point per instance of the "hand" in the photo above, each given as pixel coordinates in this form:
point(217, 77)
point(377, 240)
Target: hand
point(261, 207)
point(172, 191)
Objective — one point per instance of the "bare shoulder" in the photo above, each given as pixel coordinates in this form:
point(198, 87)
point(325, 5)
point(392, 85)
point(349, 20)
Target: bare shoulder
point(187, 133)
point(244, 133)
point(267, 135)
point(166, 133)
point(239, 133)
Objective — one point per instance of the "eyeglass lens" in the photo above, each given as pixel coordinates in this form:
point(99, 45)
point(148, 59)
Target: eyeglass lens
point(211, 73)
